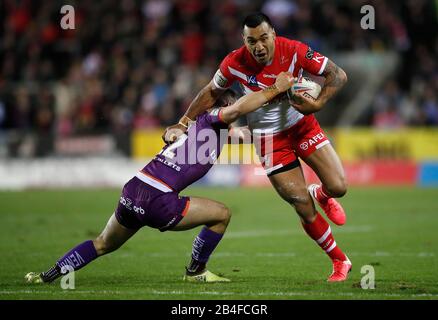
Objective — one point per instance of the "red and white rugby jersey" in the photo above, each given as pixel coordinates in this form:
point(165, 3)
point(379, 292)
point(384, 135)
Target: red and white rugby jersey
point(289, 55)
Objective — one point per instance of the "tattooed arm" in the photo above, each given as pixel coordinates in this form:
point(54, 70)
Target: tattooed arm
point(335, 79)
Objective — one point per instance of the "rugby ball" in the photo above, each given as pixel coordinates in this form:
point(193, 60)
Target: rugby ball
point(305, 87)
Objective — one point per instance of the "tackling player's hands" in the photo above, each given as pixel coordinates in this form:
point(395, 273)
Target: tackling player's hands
point(284, 81)
point(305, 105)
point(173, 132)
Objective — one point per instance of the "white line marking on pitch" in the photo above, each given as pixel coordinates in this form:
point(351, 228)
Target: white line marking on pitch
point(62, 292)
point(225, 254)
point(287, 232)
point(394, 254)
point(219, 293)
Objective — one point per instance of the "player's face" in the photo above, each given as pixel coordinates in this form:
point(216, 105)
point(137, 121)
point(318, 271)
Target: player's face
point(260, 41)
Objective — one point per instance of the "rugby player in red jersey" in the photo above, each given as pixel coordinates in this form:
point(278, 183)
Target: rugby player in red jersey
point(289, 125)
point(151, 198)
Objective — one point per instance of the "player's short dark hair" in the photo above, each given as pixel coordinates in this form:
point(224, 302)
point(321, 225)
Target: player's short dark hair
point(228, 97)
point(255, 19)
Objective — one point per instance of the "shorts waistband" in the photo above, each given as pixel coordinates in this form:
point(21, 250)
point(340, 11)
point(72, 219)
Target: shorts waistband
point(153, 182)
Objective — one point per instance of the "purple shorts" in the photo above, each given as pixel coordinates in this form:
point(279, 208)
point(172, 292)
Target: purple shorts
point(142, 205)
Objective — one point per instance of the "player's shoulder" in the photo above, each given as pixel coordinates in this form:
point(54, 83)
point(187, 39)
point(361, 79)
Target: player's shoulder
point(287, 43)
point(236, 57)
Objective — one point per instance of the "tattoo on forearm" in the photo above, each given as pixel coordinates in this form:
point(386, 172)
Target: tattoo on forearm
point(333, 75)
point(271, 88)
point(334, 81)
point(298, 99)
point(270, 91)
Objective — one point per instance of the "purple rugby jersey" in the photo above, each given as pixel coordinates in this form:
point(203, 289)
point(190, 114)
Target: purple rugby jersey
point(157, 204)
point(193, 154)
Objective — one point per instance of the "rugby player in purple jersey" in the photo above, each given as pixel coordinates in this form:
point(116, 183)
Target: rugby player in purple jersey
point(151, 198)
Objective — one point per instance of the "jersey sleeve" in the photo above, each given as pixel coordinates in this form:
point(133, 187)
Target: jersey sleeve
point(223, 79)
point(310, 60)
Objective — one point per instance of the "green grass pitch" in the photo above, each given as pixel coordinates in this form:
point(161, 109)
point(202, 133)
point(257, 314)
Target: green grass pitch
point(265, 251)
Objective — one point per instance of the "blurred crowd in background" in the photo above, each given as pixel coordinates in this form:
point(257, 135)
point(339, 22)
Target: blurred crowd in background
point(138, 63)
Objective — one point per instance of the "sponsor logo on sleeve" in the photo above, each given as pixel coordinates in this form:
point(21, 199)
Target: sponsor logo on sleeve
point(220, 80)
point(310, 53)
point(319, 58)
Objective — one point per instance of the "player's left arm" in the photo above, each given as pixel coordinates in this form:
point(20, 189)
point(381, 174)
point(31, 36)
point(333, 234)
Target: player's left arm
point(335, 79)
point(316, 63)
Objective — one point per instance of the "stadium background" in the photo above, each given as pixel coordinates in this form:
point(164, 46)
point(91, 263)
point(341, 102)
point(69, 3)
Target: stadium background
point(129, 68)
point(85, 108)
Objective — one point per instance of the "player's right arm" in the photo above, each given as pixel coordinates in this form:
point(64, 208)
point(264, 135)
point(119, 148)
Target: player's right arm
point(251, 102)
point(204, 100)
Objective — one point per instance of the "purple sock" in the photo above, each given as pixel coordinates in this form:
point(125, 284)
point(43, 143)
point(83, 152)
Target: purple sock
point(79, 256)
point(203, 246)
